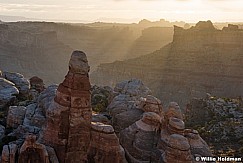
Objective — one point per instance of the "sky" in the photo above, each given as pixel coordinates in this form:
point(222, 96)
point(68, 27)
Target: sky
point(126, 10)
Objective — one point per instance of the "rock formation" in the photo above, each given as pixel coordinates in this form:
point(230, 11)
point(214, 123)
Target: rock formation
point(31, 151)
point(104, 145)
point(69, 116)
point(200, 60)
point(162, 137)
point(15, 116)
point(123, 108)
point(219, 120)
point(8, 92)
point(57, 126)
point(152, 38)
point(20, 82)
point(37, 84)
point(69, 129)
point(9, 153)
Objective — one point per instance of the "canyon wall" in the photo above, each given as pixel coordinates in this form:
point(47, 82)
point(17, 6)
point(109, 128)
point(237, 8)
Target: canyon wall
point(199, 60)
point(40, 48)
point(152, 38)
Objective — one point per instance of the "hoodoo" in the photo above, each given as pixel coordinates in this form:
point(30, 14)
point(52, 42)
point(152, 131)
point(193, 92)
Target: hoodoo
point(69, 116)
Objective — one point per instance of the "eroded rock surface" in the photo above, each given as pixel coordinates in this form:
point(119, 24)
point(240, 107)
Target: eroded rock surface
point(200, 59)
point(20, 82)
point(16, 116)
point(62, 121)
point(162, 137)
point(8, 92)
point(69, 115)
point(105, 145)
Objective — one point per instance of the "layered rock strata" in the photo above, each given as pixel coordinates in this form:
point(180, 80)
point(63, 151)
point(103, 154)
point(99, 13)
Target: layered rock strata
point(162, 137)
point(199, 60)
point(8, 92)
point(69, 116)
point(105, 146)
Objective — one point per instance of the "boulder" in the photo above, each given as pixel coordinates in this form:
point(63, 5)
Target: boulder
point(139, 139)
point(197, 145)
point(133, 87)
point(46, 97)
point(15, 116)
point(37, 83)
point(8, 92)
point(150, 104)
point(23, 130)
point(176, 126)
point(21, 83)
point(173, 110)
point(103, 118)
point(34, 116)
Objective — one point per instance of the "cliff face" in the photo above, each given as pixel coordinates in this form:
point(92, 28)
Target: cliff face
point(199, 60)
point(32, 52)
point(40, 48)
point(152, 38)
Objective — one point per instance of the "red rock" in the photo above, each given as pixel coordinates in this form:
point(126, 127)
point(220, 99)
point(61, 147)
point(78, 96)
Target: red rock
point(32, 151)
point(69, 116)
point(37, 83)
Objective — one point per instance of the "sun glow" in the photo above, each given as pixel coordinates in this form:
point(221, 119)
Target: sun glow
point(127, 10)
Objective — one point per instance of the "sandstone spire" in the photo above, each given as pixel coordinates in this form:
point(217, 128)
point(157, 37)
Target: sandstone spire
point(69, 116)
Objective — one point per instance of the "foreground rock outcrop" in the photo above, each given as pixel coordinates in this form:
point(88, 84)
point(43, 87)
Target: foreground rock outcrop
point(219, 121)
point(20, 82)
point(58, 125)
point(8, 92)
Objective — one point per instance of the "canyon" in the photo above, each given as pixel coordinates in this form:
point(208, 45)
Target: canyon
point(40, 48)
point(199, 60)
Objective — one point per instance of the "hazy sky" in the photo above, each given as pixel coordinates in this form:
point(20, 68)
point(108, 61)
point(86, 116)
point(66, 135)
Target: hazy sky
point(125, 10)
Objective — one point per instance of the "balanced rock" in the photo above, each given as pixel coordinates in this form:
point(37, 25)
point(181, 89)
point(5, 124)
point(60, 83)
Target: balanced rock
point(150, 104)
point(177, 150)
point(173, 110)
point(176, 126)
point(124, 108)
point(123, 111)
point(139, 140)
point(105, 146)
point(197, 144)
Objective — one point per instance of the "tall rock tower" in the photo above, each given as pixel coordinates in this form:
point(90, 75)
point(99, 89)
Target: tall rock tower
point(69, 116)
